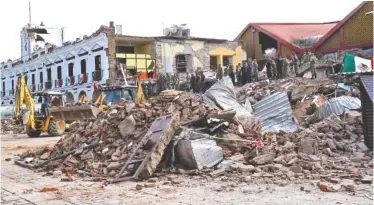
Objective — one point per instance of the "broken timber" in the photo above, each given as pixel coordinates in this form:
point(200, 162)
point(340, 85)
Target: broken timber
point(155, 140)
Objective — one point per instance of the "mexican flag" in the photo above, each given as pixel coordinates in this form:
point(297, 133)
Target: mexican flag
point(354, 63)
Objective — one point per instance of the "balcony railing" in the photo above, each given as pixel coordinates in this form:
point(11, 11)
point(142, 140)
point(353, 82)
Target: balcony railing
point(97, 75)
point(40, 87)
point(32, 88)
point(48, 85)
point(58, 83)
point(82, 78)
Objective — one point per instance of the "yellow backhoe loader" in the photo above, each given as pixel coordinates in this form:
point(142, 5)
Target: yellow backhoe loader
point(52, 116)
point(112, 94)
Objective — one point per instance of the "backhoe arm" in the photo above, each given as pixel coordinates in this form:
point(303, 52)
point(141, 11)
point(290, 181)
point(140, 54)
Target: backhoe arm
point(23, 95)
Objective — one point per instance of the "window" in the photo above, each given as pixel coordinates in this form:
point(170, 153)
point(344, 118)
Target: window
point(33, 79)
point(3, 88)
point(181, 63)
point(26, 78)
point(49, 75)
point(226, 60)
point(59, 75)
point(41, 77)
point(98, 62)
point(71, 69)
point(83, 66)
point(125, 49)
point(12, 86)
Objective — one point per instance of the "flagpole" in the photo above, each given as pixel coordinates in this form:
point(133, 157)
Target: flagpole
point(29, 12)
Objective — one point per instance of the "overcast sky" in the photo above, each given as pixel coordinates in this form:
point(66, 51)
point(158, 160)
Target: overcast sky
point(205, 18)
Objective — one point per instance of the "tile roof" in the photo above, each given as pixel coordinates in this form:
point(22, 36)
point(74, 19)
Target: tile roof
point(287, 32)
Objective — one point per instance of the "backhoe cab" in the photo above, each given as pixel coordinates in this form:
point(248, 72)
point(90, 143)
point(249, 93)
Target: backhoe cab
point(113, 95)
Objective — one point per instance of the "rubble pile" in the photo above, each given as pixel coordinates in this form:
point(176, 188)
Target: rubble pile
point(296, 87)
point(330, 149)
point(196, 134)
point(9, 126)
point(100, 147)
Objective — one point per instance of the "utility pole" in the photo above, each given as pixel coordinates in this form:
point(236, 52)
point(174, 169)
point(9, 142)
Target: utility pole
point(29, 12)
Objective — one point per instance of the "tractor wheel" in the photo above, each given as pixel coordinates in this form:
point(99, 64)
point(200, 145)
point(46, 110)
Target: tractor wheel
point(32, 133)
point(56, 128)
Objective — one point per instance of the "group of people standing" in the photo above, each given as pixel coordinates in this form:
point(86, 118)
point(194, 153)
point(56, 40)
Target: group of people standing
point(197, 82)
point(246, 73)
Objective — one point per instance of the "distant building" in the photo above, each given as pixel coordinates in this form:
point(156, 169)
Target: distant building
point(285, 37)
point(354, 31)
point(79, 67)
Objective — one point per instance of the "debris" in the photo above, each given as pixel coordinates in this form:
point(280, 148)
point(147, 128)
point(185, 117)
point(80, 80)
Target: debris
point(49, 189)
point(199, 153)
point(263, 159)
point(275, 113)
point(367, 179)
point(139, 187)
point(217, 173)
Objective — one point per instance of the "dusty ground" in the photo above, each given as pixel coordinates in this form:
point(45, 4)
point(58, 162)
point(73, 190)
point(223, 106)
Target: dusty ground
point(22, 186)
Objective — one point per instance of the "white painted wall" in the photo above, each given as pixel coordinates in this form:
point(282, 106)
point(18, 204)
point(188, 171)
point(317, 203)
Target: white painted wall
point(98, 41)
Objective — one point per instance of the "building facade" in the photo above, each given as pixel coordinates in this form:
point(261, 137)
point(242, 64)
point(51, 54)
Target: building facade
point(79, 67)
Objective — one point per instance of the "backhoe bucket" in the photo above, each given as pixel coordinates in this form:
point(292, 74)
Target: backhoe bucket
point(73, 113)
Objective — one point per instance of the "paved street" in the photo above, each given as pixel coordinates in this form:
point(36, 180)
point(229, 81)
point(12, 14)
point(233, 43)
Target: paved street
point(22, 186)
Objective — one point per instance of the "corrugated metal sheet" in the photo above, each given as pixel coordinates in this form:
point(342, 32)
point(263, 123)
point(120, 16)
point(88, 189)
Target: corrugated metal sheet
point(335, 106)
point(367, 82)
point(275, 113)
point(367, 112)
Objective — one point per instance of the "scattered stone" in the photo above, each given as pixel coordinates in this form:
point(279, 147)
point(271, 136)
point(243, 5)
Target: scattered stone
point(268, 175)
point(290, 174)
point(152, 180)
point(362, 147)
point(296, 169)
point(334, 180)
point(149, 185)
point(263, 159)
point(217, 173)
point(246, 190)
point(302, 188)
point(139, 186)
point(8, 159)
point(257, 175)
point(367, 179)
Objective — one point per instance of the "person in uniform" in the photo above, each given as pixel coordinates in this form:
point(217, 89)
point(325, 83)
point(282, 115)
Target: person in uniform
point(313, 61)
point(202, 82)
point(231, 74)
point(226, 71)
point(192, 83)
point(198, 82)
point(279, 67)
point(244, 73)
point(238, 74)
point(268, 69)
point(219, 72)
point(255, 70)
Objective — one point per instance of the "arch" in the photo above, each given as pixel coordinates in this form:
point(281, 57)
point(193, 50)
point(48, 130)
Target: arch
point(82, 93)
point(95, 95)
point(40, 99)
point(2, 103)
point(11, 102)
point(70, 98)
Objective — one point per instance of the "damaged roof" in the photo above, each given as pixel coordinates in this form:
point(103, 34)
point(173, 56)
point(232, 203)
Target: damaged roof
point(212, 40)
point(286, 33)
point(367, 82)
